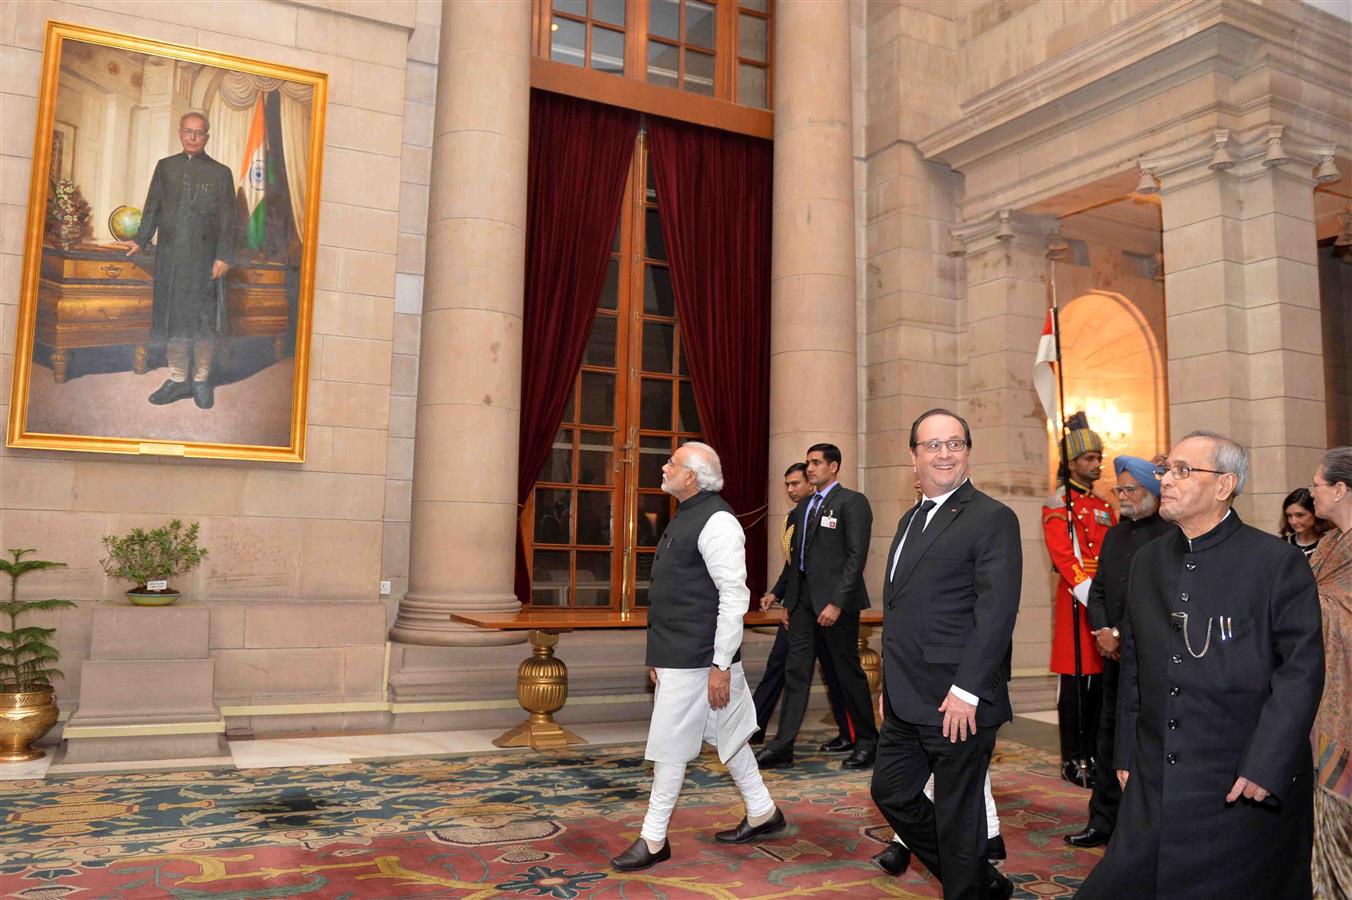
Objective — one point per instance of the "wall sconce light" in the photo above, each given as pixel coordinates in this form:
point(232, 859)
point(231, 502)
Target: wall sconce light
point(1276, 156)
point(1057, 248)
point(1327, 172)
point(1147, 185)
point(1220, 156)
point(1005, 230)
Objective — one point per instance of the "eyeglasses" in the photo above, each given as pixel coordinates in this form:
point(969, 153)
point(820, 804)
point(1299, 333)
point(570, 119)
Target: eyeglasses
point(1315, 484)
point(957, 445)
point(1127, 489)
point(1183, 470)
point(192, 132)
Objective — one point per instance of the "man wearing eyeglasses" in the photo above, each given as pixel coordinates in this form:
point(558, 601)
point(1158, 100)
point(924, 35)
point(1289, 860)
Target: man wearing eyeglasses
point(1075, 555)
point(190, 211)
point(951, 587)
point(1137, 493)
point(1222, 671)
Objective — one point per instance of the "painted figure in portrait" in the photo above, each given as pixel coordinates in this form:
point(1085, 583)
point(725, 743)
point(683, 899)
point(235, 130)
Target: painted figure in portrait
point(169, 268)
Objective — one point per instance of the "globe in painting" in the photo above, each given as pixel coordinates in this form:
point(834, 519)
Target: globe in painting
point(125, 222)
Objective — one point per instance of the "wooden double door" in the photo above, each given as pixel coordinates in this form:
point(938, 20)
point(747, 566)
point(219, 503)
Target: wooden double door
point(597, 511)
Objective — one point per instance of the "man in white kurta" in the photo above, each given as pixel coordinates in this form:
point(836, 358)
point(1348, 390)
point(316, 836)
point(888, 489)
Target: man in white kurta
point(697, 598)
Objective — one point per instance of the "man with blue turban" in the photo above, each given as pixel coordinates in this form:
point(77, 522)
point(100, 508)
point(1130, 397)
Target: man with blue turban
point(1138, 498)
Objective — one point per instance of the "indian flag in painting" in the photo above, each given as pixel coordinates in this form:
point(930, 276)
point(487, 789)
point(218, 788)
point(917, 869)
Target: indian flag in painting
point(253, 176)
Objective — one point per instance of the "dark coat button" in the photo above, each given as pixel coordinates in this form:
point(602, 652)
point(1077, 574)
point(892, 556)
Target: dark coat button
point(1190, 566)
point(1177, 625)
point(1171, 759)
point(1185, 598)
point(1173, 724)
point(1174, 691)
point(1177, 658)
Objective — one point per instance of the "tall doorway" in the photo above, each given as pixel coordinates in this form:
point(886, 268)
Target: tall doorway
point(592, 523)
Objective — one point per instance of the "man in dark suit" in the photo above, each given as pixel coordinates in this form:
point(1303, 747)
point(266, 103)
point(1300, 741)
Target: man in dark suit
point(952, 593)
point(771, 684)
point(824, 595)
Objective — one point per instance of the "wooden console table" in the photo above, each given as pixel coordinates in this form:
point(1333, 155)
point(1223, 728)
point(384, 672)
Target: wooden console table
point(93, 296)
point(542, 679)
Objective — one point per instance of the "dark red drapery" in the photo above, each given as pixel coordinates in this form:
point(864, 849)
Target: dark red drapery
point(579, 160)
point(713, 196)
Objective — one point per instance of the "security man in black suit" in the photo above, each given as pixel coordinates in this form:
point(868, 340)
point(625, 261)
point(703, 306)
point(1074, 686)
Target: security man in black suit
point(824, 595)
point(952, 594)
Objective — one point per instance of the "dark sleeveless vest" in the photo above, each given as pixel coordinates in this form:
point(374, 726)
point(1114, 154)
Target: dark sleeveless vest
point(682, 598)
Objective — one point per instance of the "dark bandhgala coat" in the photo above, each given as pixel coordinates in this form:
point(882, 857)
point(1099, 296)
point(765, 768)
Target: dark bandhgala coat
point(1193, 716)
point(191, 205)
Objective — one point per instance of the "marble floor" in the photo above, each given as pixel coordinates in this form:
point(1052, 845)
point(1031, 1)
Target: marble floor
point(338, 749)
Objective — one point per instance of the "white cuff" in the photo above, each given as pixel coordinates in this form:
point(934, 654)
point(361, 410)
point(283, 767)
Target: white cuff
point(964, 696)
point(1081, 591)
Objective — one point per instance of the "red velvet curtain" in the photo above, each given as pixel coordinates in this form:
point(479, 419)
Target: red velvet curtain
point(579, 160)
point(713, 196)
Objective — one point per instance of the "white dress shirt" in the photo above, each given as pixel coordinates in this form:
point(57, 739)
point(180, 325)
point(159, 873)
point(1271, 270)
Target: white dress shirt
point(722, 543)
point(939, 501)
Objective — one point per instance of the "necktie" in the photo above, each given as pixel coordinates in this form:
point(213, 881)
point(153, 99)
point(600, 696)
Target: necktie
point(812, 506)
point(912, 533)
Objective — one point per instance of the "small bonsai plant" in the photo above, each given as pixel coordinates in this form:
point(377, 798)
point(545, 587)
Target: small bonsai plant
point(26, 654)
point(149, 558)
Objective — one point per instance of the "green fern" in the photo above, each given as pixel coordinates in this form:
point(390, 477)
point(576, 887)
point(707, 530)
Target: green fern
point(26, 654)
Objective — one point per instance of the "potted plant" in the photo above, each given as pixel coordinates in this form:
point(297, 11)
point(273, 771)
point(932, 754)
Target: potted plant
point(27, 701)
point(67, 214)
point(149, 558)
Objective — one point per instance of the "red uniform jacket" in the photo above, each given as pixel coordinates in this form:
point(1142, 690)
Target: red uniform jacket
point(1093, 517)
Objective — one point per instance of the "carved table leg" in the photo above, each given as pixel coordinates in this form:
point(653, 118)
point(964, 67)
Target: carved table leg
point(541, 689)
point(60, 359)
point(142, 359)
point(872, 664)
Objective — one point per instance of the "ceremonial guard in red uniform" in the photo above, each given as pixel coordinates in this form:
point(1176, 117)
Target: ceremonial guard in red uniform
point(1076, 560)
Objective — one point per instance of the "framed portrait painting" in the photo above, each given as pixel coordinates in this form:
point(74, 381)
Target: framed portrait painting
point(168, 273)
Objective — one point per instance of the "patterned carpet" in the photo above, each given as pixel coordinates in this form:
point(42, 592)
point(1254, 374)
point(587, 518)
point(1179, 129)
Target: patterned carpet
point(502, 825)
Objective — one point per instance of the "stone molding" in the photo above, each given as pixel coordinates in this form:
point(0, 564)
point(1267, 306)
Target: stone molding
point(396, 13)
point(1245, 157)
point(1000, 229)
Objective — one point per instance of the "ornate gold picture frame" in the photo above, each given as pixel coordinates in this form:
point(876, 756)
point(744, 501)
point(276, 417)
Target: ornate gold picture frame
point(169, 258)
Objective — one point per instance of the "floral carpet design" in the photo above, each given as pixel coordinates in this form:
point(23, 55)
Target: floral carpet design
point(512, 824)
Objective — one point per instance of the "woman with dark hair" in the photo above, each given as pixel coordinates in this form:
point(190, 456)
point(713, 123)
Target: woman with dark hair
point(1332, 734)
point(1301, 526)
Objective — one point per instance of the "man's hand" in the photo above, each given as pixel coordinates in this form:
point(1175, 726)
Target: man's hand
point(783, 618)
point(1122, 776)
point(829, 615)
point(1247, 788)
point(131, 247)
point(218, 268)
point(1108, 646)
point(959, 718)
point(720, 687)
point(652, 675)
point(767, 601)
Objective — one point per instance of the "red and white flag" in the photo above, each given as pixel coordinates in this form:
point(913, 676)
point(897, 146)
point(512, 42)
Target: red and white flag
point(1044, 375)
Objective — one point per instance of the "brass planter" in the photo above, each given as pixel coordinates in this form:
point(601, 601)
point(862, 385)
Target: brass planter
point(24, 718)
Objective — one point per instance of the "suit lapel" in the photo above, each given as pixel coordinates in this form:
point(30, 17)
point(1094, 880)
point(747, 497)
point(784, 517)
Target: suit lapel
point(943, 517)
point(904, 524)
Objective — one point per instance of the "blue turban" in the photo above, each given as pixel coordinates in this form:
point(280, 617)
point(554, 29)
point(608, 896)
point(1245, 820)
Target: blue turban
point(1140, 469)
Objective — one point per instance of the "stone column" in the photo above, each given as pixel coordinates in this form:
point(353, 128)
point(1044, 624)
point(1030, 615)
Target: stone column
point(1006, 263)
point(464, 513)
point(1242, 288)
point(814, 385)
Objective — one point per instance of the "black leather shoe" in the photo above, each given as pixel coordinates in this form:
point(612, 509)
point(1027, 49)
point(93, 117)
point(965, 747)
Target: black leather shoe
point(1077, 773)
point(1090, 837)
point(170, 391)
point(771, 758)
point(995, 848)
point(638, 856)
point(895, 860)
point(203, 394)
point(746, 832)
point(837, 744)
point(861, 758)
point(757, 737)
point(999, 888)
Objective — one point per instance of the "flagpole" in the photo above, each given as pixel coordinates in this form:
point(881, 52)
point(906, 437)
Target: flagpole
point(1064, 471)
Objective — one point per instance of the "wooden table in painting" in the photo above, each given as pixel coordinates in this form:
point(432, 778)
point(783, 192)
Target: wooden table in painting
point(542, 679)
